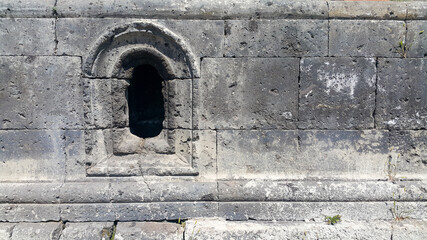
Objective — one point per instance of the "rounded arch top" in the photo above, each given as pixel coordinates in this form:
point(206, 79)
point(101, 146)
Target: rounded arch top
point(117, 52)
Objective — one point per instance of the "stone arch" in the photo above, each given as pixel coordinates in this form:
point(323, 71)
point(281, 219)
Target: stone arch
point(115, 53)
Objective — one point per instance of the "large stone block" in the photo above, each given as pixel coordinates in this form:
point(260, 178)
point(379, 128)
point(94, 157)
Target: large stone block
point(31, 155)
point(29, 212)
point(40, 92)
point(29, 192)
point(27, 36)
point(149, 231)
point(37, 231)
point(304, 211)
point(402, 94)
point(218, 229)
point(76, 36)
point(97, 212)
point(246, 94)
point(416, 10)
point(87, 231)
point(409, 154)
point(75, 155)
point(180, 110)
point(27, 8)
point(343, 154)
point(6, 230)
point(249, 154)
point(204, 153)
point(416, 39)
point(410, 229)
point(98, 103)
point(337, 93)
point(366, 38)
point(276, 38)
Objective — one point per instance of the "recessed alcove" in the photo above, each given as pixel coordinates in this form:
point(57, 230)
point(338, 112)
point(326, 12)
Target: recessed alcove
point(146, 102)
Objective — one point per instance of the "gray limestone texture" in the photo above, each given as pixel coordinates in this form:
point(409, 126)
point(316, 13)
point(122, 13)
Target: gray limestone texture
point(37, 231)
point(275, 38)
point(337, 93)
point(366, 38)
point(41, 92)
point(402, 94)
point(27, 8)
point(366, 10)
point(87, 231)
point(27, 36)
point(416, 40)
point(246, 93)
point(417, 10)
point(29, 212)
point(148, 231)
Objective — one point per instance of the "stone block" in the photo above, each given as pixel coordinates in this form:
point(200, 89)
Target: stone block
point(27, 8)
point(342, 154)
point(40, 92)
point(250, 154)
point(87, 231)
point(337, 93)
point(85, 192)
point(27, 36)
point(95, 212)
point(180, 109)
point(275, 38)
point(37, 231)
point(367, 10)
point(304, 211)
point(29, 212)
point(6, 230)
point(75, 155)
point(246, 93)
point(416, 38)
point(164, 211)
point(76, 36)
point(31, 155)
point(98, 103)
point(410, 229)
point(202, 9)
point(350, 38)
point(218, 229)
point(149, 231)
point(204, 153)
point(408, 154)
point(408, 210)
point(29, 192)
point(417, 10)
point(401, 96)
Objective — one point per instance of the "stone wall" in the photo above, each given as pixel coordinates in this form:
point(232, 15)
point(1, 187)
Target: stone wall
point(277, 115)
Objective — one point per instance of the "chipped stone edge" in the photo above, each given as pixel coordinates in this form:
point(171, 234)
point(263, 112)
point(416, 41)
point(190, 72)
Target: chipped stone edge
point(210, 10)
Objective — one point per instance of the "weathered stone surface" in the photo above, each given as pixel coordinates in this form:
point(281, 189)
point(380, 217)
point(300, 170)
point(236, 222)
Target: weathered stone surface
point(304, 211)
point(224, 230)
point(204, 153)
point(37, 231)
point(275, 38)
point(337, 93)
point(408, 210)
point(204, 9)
point(246, 93)
point(29, 212)
point(6, 231)
point(410, 229)
point(98, 212)
point(31, 155)
point(98, 103)
point(416, 38)
point(401, 96)
point(27, 8)
point(367, 10)
point(40, 92)
point(87, 231)
point(204, 37)
point(179, 113)
point(29, 192)
point(342, 154)
point(21, 36)
point(260, 190)
point(249, 154)
point(164, 211)
point(85, 192)
point(148, 231)
point(75, 155)
point(409, 154)
point(417, 10)
point(350, 38)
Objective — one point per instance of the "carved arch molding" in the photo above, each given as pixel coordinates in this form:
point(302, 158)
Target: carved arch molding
point(111, 148)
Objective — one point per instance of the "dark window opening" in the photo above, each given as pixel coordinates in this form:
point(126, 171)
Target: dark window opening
point(146, 103)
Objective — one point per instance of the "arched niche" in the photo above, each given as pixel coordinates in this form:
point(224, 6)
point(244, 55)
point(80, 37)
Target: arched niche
point(114, 53)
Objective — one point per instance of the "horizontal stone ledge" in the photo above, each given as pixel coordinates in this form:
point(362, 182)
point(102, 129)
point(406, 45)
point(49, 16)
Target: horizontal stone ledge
point(221, 191)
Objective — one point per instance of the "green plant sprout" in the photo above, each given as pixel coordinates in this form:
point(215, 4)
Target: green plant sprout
point(333, 220)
